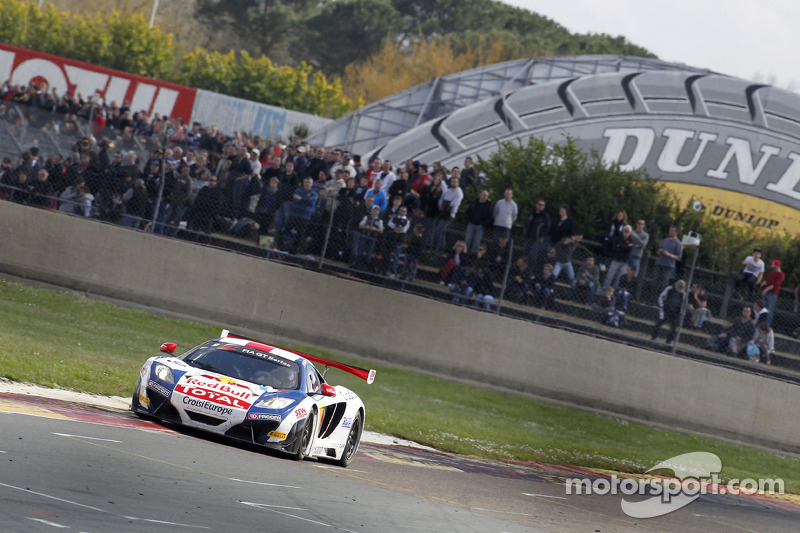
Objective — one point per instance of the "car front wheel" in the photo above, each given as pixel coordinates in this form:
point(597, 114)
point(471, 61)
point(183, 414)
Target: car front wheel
point(353, 440)
point(304, 439)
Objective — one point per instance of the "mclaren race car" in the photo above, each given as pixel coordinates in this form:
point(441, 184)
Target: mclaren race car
point(252, 391)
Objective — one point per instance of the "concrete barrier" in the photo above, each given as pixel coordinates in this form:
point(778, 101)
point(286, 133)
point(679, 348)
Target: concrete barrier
point(239, 291)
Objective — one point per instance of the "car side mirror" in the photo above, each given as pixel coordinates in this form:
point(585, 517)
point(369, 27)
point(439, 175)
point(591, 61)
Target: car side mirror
point(328, 390)
point(169, 347)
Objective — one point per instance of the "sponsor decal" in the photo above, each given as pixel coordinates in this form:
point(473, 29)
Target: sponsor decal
point(737, 166)
point(300, 413)
point(347, 422)
point(269, 357)
point(208, 406)
point(737, 208)
point(217, 391)
point(225, 385)
point(264, 416)
point(277, 435)
point(162, 390)
point(254, 352)
point(144, 400)
point(23, 67)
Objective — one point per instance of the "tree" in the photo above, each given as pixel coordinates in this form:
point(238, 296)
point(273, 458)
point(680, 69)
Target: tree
point(175, 16)
point(447, 36)
point(135, 47)
point(393, 70)
point(262, 27)
point(351, 31)
point(211, 71)
point(261, 80)
point(537, 34)
point(562, 174)
point(442, 17)
point(23, 24)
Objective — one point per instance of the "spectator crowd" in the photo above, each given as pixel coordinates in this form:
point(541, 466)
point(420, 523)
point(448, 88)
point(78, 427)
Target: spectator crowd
point(375, 216)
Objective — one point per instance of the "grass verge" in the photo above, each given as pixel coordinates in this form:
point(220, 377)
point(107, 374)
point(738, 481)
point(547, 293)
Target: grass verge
point(58, 339)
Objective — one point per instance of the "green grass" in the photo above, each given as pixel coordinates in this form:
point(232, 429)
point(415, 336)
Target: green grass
point(59, 339)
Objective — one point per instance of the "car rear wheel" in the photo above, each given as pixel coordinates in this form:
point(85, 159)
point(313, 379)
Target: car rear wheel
point(304, 439)
point(353, 440)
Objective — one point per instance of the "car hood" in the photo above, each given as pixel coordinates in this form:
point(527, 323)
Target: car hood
point(226, 391)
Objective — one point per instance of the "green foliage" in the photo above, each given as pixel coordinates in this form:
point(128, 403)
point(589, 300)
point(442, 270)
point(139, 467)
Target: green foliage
point(260, 80)
point(23, 24)
point(125, 43)
point(211, 70)
point(86, 41)
point(353, 30)
point(138, 49)
point(268, 27)
point(332, 35)
point(526, 32)
point(301, 131)
point(562, 174)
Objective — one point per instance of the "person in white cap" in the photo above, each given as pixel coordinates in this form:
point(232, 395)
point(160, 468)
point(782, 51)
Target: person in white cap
point(752, 272)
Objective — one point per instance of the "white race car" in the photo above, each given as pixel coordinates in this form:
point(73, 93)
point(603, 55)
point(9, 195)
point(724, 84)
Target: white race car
point(252, 391)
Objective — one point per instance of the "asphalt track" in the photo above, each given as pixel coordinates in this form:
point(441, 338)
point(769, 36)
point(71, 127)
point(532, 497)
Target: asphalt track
point(73, 467)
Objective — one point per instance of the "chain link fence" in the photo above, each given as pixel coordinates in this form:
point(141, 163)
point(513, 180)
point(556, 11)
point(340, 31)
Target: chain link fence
point(280, 202)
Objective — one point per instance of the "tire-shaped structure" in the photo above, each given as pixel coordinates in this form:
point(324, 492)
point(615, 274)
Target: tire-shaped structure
point(731, 143)
point(374, 124)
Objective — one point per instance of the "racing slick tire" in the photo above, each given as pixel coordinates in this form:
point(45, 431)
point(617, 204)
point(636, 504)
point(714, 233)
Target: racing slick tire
point(353, 440)
point(305, 438)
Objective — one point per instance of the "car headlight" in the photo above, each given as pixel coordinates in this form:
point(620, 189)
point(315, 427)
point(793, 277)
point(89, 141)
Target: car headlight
point(279, 402)
point(164, 373)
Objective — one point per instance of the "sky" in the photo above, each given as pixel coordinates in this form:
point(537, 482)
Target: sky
point(758, 40)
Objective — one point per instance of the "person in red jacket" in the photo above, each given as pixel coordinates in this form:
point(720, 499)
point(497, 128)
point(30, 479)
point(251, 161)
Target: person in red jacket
point(772, 287)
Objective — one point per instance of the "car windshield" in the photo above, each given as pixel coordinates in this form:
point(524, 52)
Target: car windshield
point(246, 364)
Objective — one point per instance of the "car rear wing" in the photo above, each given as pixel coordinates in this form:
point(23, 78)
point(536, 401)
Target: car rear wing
point(366, 375)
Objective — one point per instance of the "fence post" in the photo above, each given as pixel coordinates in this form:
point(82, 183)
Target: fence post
point(505, 275)
point(159, 197)
point(328, 233)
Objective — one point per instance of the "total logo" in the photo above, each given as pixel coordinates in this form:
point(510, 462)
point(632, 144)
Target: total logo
point(213, 396)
